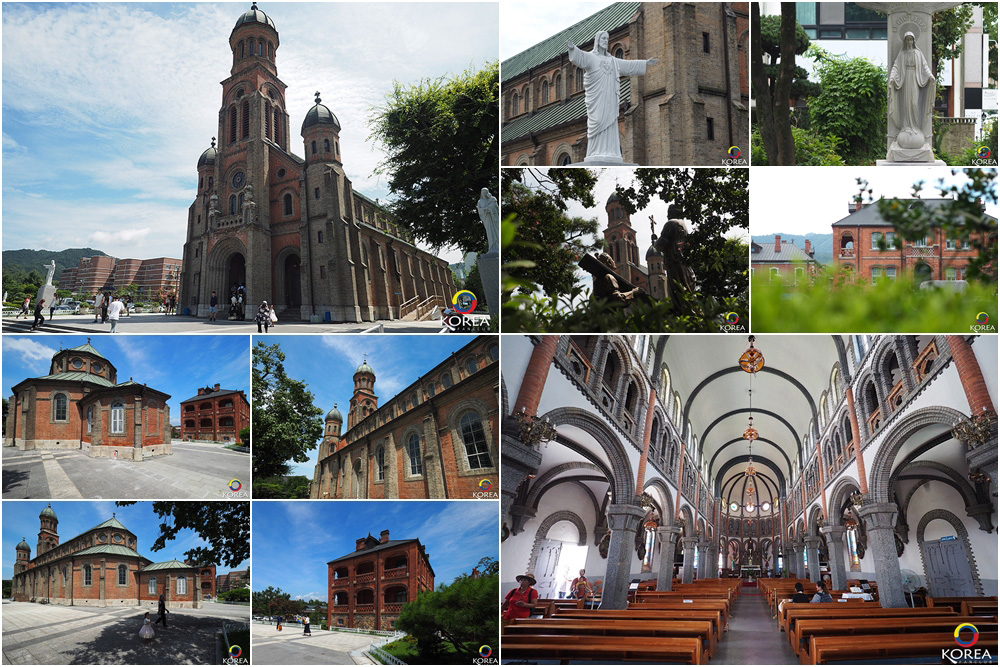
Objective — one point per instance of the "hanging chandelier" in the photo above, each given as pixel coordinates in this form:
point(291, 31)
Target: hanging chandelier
point(751, 361)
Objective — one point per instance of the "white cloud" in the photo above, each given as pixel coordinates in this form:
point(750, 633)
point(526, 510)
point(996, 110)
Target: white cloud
point(32, 353)
point(139, 357)
point(315, 595)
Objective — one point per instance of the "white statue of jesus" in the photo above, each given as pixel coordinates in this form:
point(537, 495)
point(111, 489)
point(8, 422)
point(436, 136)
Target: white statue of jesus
point(489, 214)
point(601, 84)
point(51, 266)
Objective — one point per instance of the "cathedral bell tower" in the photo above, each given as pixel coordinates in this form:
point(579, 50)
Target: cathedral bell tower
point(23, 550)
point(331, 433)
point(619, 237)
point(48, 533)
point(364, 402)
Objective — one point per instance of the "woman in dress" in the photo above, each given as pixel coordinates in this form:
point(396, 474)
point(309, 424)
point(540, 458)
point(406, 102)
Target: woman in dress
point(146, 631)
point(263, 318)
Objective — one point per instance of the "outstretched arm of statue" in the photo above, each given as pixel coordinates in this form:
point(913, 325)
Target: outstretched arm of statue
point(652, 61)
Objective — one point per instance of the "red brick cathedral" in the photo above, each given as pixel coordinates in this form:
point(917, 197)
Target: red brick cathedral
point(100, 567)
point(369, 586)
point(293, 230)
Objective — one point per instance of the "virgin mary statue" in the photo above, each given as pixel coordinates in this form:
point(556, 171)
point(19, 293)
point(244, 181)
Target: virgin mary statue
point(911, 94)
point(602, 73)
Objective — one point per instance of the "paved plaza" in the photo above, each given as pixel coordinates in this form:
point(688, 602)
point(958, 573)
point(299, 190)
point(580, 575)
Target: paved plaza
point(154, 323)
point(36, 634)
point(194, 470)
point(289, 647)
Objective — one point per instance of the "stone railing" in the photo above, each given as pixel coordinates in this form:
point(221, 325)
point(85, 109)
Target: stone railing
point(395, 573)
point(922, 251)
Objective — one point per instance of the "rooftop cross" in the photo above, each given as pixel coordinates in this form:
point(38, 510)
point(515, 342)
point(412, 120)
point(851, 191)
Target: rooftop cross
point(318, 100)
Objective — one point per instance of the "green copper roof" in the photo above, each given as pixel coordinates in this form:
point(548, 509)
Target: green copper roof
point(169, 565)
point(49, 512)
point(80, 377)
point(581, 33)
point(557, 114)
point(113, 549)
point(87, 347)
point(110, 523)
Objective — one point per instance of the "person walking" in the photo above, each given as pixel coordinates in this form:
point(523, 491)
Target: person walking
point(52, 310)
point(114, 312)
point(263, 317)
point(213, 305)
point(105, 302)
point(39, 319)
point(146, 631)
point(162, 611)
point(25, 308)
point(305, 627)
point(98, 301)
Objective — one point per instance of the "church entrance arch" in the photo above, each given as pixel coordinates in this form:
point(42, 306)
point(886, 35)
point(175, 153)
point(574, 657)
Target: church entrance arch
point(921, 273)
point(226, 266)
point(237, 273)
point(558, 554)
point(288, 281)
point(292, 282)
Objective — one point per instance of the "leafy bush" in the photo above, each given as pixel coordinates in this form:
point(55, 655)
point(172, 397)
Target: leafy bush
point(245, 435)
point(811, 149)
point(235, 595)
point(835, 304)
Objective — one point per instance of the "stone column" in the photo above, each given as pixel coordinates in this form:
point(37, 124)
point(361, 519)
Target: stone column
point(713, 559)
point(835, 546)
point(518, 462)
point(687, 572)
point(856, 439)
point(622, 520)
point(880, 522)
point(433, 464)
point(970, 374)
point(530, 392)
point(101, 587)
point(703, 560)
point(812, 556)
point(796, 563)
point(392, 474)
point(667, 536)
point(137, 428)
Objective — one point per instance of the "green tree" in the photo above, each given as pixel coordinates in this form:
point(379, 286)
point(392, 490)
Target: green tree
point(770, 35)
point(245, 435)
point(225, 526)
point(235, 595)
point(130, 291)
point(462, 614)
point(990, 10)
point(548, 242)
point(284, 417)
point(773, 116)
point(851, 106)
point(274, 602)
point(948, 33)
point(440, 137)
point(474, 283)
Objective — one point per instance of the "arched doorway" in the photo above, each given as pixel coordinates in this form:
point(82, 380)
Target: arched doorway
point(293, 284)
point(921, 273)
point(237, 272)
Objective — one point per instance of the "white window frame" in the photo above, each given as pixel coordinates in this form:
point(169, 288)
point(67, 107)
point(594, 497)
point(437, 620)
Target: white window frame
point(181, 585)
point(151, 586)
point(118, 418)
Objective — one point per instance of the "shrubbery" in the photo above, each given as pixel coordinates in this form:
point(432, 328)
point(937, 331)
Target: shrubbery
point(810, 149)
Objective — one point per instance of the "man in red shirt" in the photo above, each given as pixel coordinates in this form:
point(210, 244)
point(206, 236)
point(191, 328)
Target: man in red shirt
point(520, 600)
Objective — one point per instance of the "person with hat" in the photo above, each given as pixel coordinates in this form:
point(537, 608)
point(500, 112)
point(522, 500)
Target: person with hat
point(263, 317)
point(520, 600)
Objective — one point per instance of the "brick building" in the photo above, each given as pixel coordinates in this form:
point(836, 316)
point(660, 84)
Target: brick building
point(292, 229)
point(100, 567)
point(437, 438)
point(230, 580)
point(81, 405)
point(858, 236)
point(688, 109)
point(369, 586)
point(620, 244)
point(783, 261)
point(215, 414)
point(160, 275)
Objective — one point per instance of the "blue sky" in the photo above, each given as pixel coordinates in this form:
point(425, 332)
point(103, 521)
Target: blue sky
point(294, 540)
point(107, 106)
point(176, 365)
point(20, 520)
point(327, 364)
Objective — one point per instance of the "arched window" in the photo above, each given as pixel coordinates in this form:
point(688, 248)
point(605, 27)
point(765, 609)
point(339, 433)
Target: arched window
point(242, 49)
point(494, 353)
point(559, 93)
point(677, 408)
point(564, 160)
point(772, 273)
point(118, 417)
point(380, 463)
point(270, 50)
point(822, 410)
point(876, 238)
point(515, 105)
point(182, 585)
point(232, 205)
point(476, 449)
point(88, 575)
point(232, 125)
point(446, 380)
point(277, 126)
point(664, 381)
point(246, 119)
point(579, 79)
point(60, 411)
point(260, 47)
point(267, 121)
point(90, 419)
point(526, 97)
point(123, 575)
point(545, 92)
point(151, 586)
point(413, 453)
point(413, 400)
point(239, 203)
point(471, 365)
point(287, 203)
point(619, 53)
point(326, 145)
point(314, 148)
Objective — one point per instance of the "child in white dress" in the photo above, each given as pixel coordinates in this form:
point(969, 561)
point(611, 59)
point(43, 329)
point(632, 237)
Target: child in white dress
point(147, 629)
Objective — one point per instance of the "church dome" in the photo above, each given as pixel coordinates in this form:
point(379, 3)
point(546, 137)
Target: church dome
point(653, 253)
point(613, 198)
point(253, 16)
point(208, 157)
point(334, 415)
point(48, 512)
point(23, 546)
point(320, 114)
point(364, 368)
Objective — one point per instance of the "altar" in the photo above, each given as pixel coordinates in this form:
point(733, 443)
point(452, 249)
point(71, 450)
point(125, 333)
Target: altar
point(749, 572)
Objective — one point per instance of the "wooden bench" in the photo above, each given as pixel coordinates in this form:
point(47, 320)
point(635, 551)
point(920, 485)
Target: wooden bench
point(870, 610)
point(882, 646)
point(805, 629)
point(956, 602)
point(721, 606)
point(979, 609)
point(602, 649)
point(714, 617)
point(617, 627)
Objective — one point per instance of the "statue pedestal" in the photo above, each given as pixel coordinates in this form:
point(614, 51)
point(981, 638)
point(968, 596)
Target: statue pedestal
point(890, 163)
point(489, 273)
point(47, 292)
point(604, 161)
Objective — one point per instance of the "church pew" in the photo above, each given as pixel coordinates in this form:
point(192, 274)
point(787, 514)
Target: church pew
point(829, 627)
point(956, 602)
point(883, 647)
point(714, 617)
point(602, 649)
point(979, 609)
point(617, 627)
point(836, 595)
point(721, 606)
point(800, 610)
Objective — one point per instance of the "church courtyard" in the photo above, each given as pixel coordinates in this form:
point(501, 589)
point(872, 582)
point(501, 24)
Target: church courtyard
point(195, 470)
point(290, 647)
point(35, 634)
